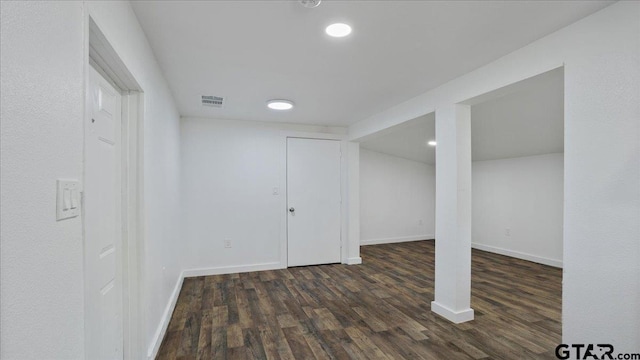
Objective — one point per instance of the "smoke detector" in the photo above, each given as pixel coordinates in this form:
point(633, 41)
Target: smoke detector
point(212, 101)
point(310, 3)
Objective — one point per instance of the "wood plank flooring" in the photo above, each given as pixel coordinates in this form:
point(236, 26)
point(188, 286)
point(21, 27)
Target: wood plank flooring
point(377, 310)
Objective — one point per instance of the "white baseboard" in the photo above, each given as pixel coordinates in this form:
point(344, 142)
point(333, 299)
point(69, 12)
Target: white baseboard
point(354, 261)
point(519, 255)
point(456, 317)
point(397, 239)
point(232, 269)
point(152, 352)
point(164, 321)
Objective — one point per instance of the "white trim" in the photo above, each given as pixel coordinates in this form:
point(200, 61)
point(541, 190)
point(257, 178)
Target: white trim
point(519, 255)
point(152, 352)
point(232, 269)
point(344, 201)
point(283, 200)
point(456, 317)
point(312, 135)
point(354, 261)
point(132, 191)
point(352, 248)
point(107, 61)
point(397, 239)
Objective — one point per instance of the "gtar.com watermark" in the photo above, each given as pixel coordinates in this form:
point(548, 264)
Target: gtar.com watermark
point(592, 351)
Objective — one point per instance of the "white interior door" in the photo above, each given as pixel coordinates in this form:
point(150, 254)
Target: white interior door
point(102, 215)
point(313, 197)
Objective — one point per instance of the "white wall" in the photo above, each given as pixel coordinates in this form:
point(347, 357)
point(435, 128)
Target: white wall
point(41, 139)
point(600, 54)
point(42, 69)
point(395, 194)
point(524, 195)
point(229, 171)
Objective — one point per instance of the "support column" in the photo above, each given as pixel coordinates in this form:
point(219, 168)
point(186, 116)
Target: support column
point(453, 214)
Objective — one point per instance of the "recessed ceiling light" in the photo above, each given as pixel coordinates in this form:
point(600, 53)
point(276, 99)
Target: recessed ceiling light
point(310, 3)
point(432, 143)
point(278, 104)
point(338, 30)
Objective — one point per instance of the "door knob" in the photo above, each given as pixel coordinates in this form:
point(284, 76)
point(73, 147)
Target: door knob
point(292, 209)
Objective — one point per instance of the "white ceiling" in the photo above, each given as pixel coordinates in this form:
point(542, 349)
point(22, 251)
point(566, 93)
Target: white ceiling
point(252, 51)
point(523, 119)
point(408, 140)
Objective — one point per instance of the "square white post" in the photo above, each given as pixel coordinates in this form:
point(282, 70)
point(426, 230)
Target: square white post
point(453, 214)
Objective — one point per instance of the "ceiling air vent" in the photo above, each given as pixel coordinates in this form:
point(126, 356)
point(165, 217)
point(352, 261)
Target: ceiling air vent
point(213, 101)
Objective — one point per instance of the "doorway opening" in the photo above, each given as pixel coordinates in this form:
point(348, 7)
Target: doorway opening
point(397, 183)
point(113, 198)
point(517, 143)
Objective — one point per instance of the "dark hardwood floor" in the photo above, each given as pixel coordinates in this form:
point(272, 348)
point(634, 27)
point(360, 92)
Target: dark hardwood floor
point(377, 310)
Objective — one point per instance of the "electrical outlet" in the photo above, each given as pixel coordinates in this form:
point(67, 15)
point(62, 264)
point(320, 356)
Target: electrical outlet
point(507, 232)
point(421, 222)
point(227, 243)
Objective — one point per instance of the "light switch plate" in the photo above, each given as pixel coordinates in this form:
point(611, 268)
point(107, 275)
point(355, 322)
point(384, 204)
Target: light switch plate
point(68, 199)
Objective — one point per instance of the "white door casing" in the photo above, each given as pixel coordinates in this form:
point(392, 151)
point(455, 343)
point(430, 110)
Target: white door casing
point(103, 222)
point(314, 201)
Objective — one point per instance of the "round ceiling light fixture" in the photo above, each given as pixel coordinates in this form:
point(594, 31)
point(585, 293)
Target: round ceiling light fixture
point(432, 143)
point(280, 104)
point(310, 3)
point(338, 30)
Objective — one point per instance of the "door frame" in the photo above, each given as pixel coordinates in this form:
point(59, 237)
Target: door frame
point(344, 209)
point(100, 55)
